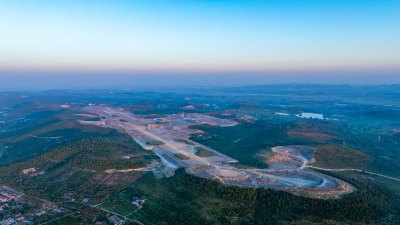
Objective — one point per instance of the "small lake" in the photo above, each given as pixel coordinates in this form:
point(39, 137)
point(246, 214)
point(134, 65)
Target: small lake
point(311, 115)
point(282, 114)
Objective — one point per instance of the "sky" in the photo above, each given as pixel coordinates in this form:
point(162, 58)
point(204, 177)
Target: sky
point(317, 40)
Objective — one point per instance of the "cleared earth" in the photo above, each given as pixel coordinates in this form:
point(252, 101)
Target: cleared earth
point(287, 165)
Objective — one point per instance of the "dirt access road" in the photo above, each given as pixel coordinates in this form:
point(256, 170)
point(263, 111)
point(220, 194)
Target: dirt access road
point(357, 170)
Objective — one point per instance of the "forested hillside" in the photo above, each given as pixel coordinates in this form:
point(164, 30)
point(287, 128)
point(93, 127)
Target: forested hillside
point(187, 199)
point(78, 167)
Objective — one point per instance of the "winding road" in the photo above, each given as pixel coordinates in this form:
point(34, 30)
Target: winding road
point(357, 170)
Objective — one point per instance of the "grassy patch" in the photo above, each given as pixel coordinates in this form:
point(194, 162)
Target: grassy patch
point(202, 152)
point(241, 166)
point(181, 157)
point(185, 141)
point(155, 143)
point(338, 157)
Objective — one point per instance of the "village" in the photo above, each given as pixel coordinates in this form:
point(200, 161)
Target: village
point(19, 209)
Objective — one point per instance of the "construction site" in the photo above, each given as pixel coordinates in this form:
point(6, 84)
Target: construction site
point(168, 137)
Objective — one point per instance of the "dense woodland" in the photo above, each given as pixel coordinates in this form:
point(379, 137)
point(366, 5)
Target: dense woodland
point(185, 198)
point(41, 131)
point(78, 167)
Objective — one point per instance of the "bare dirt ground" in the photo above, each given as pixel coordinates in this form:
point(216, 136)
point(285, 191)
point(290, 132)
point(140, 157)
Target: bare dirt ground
point(286, 169)
point(290, 157)
point(341, 189)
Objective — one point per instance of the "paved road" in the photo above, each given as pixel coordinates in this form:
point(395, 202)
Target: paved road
point(357, 170)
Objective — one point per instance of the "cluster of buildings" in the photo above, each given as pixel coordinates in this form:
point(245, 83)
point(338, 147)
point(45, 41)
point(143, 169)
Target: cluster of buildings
point(8, 221)
point(22, 210)
point(5, 205)
point(28, 171)
point(6, 196)
point(32, 172)
point(15, 220)
point(115, 220)
point(138, 202)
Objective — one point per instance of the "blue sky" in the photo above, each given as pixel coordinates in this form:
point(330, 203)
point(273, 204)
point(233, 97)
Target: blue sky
point(200, 36)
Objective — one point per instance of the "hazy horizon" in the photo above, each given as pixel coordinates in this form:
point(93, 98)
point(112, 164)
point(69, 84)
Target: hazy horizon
point(45, 81)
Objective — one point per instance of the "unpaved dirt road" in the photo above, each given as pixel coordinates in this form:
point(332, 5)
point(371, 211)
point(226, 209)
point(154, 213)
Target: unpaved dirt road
point(357, 170)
